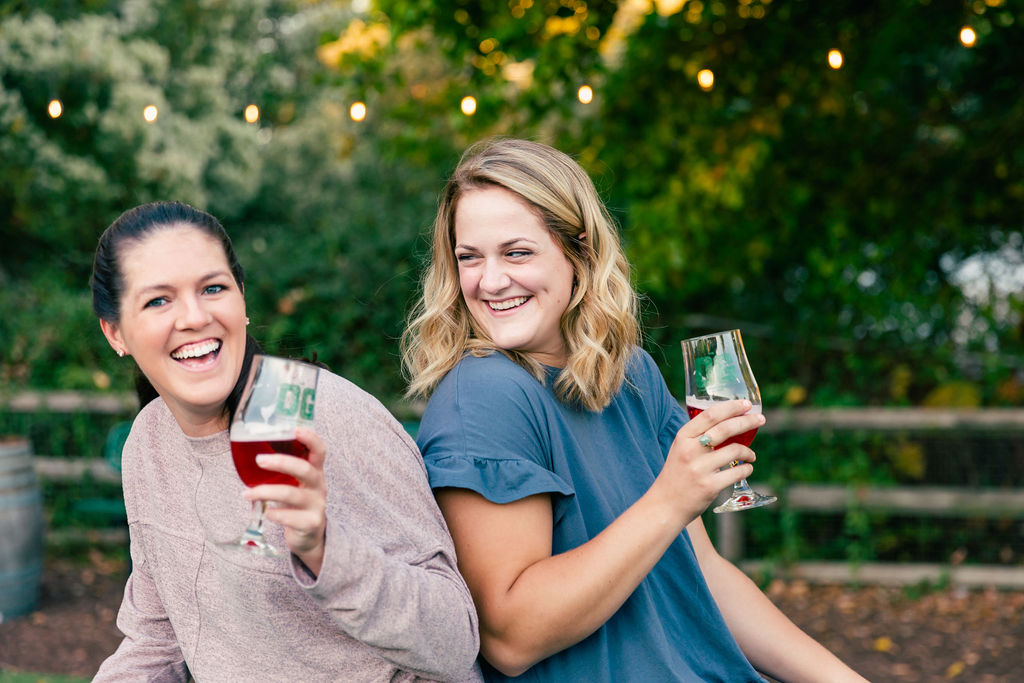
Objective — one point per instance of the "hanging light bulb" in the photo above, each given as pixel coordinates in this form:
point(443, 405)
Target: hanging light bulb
point(252, 114)
point(357, 111)
point(968, 37)
point(468, 105)
point(55, 109)
point(150, 113)
point(585, 94)
point(706, 79)
point(835, 59)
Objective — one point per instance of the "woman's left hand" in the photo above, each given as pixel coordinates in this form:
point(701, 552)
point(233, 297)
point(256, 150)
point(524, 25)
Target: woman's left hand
point(301, 509)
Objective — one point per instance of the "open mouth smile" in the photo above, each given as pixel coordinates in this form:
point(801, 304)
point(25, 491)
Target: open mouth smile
point(197, 354)
point(508, 304)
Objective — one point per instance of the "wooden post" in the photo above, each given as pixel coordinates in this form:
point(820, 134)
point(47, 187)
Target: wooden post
point(729, 532)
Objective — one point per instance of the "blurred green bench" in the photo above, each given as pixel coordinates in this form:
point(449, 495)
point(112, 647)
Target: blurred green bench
point(107, 511)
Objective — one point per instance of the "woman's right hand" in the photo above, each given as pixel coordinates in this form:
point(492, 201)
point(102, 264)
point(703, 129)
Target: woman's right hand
point(300, 509)
point(694, 474)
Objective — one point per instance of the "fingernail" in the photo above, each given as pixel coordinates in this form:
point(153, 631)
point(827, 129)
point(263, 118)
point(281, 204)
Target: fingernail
point(262, 459)
point(761, 419)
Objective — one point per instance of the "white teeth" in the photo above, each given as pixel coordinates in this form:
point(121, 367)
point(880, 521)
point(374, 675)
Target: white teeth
point(196, 350)
point(507, 304)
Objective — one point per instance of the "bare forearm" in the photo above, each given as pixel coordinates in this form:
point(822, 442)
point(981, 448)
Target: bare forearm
point(533, 603)
point(562, 599)
point(773, 644)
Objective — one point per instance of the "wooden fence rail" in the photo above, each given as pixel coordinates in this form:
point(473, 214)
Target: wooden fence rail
point(925, 501)
point(778, 420)
point(919, 500)
point(106, 403)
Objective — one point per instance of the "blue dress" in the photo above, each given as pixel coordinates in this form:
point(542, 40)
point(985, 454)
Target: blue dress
point(493, 428)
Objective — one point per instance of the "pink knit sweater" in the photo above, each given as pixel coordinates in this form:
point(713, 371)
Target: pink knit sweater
point(388, 604)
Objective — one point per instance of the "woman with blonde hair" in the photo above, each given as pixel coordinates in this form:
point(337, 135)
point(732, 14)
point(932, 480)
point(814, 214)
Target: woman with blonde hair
point(569, 476)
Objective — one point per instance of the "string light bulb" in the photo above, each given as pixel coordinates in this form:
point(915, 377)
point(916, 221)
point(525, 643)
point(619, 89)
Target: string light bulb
point(835, 59)
point(55, 109)
point(357, 111)
point(706, 79)
point(585, 94)
point(150, 113)
point(252, 114)
point(468, 105)
point(968, 37)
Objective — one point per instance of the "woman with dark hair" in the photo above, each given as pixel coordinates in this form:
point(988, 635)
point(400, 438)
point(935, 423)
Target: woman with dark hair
point(369, 590)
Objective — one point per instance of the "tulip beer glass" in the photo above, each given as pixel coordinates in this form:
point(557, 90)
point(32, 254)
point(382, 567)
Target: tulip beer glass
point(717, 370)
point(279, 396)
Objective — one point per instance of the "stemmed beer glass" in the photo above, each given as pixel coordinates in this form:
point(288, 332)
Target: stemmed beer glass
point(279, 396)
point(717, 370)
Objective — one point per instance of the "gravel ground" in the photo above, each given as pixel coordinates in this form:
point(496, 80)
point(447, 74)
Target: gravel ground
point(887, 634)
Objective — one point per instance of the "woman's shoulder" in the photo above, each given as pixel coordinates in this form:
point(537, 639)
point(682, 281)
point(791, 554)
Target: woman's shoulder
point(154, 420)
point(154, 444)
point(336, 394)
point(492, 374)
point(641, 365)
point(484, 386)
point(333, 386)
point(489, 365)
point(351, 420)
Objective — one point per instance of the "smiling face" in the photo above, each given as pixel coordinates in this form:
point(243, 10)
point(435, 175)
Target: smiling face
point(182, 317)
point(515, 279)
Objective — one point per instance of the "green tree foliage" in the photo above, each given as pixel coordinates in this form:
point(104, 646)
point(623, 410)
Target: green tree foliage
point(834, 215)
point(830, 204)
point(323, 221)
point(63, 177)
point(826, 212)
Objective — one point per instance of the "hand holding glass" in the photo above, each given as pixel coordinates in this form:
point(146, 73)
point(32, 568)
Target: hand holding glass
point(717, 370)
point(279, 396)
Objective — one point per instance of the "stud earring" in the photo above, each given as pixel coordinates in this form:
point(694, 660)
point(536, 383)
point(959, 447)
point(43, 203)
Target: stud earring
point(247, 321)
point(120, 353)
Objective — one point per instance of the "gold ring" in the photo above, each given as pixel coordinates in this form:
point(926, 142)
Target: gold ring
point(705, 441)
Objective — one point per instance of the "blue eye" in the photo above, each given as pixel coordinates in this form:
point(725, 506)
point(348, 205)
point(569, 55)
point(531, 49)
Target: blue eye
point(214, 289)
point(461, 258)
point(519, 253)
point(156, 303)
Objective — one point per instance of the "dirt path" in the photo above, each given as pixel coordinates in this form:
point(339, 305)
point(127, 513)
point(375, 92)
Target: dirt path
point(884, 633)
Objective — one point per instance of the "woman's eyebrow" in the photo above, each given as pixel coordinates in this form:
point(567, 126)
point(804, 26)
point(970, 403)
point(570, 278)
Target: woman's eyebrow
point(503, 245)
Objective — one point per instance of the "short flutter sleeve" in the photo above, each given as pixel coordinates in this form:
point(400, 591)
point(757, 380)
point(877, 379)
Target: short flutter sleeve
point(487, 428)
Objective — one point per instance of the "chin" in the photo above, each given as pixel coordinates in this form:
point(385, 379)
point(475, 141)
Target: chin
point(205, 398)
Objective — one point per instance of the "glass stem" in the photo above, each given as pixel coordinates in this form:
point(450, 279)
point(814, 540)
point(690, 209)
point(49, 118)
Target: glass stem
point(255, 529)
point(741, 487)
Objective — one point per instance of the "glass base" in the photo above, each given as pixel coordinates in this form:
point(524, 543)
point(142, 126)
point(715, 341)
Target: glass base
point(254, 543)
point(744, 500)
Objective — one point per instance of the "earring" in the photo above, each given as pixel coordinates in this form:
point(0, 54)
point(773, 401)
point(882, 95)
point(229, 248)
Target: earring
point(120, 353)
point(246, 321)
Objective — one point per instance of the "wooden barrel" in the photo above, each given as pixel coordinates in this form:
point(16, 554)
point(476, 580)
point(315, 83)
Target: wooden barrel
point(21, 530)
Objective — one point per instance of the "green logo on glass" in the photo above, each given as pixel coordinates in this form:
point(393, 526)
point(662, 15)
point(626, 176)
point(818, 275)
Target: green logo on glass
point(293, 399)
point(718, 375)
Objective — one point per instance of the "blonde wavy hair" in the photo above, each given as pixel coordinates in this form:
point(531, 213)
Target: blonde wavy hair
point(599, 324)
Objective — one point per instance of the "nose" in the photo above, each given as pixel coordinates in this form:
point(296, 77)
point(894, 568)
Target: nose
point(192, 314)
point(494, 277)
